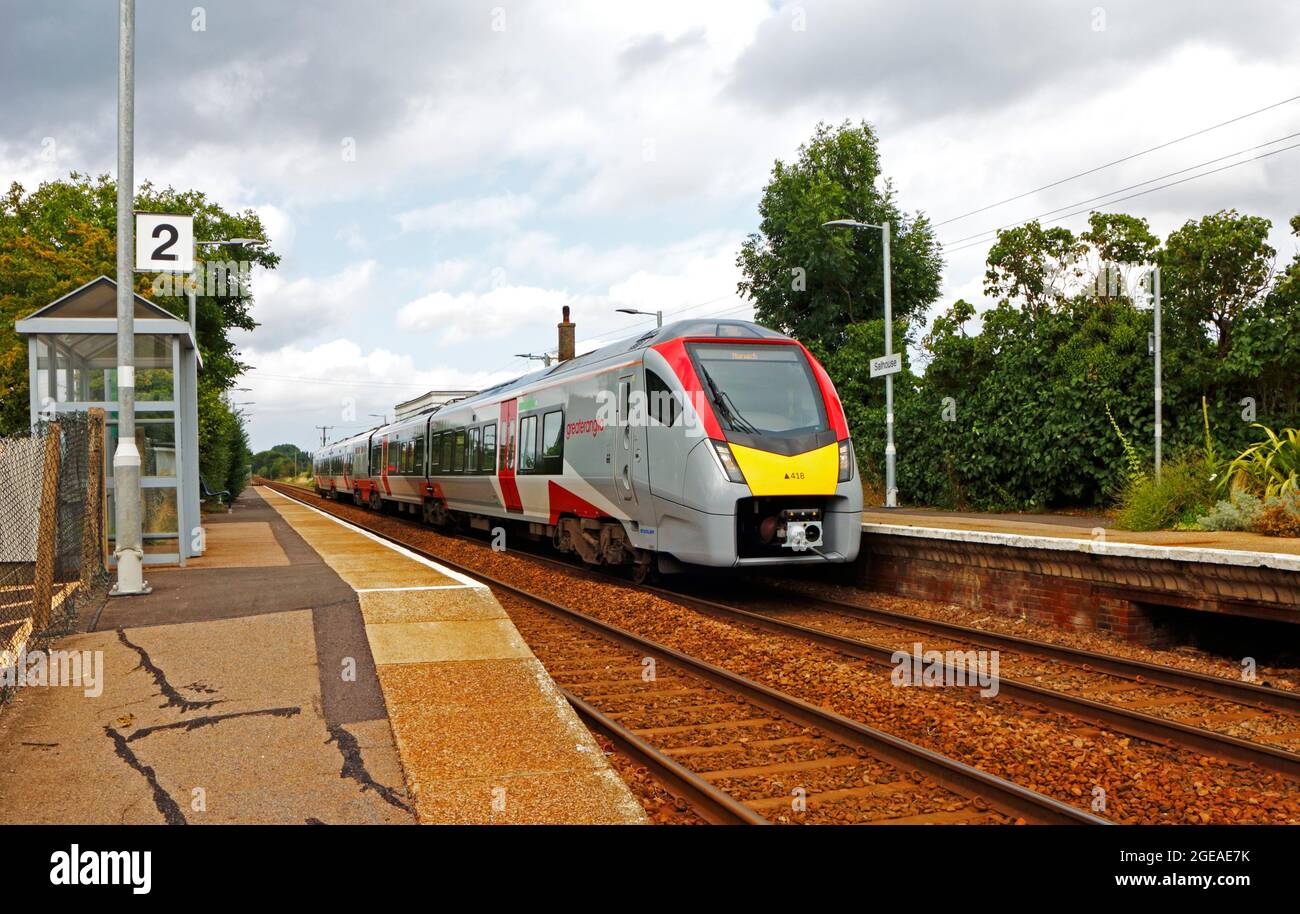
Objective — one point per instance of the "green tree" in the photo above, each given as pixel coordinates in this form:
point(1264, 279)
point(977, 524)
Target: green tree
point(63, 234)
point(816, 283)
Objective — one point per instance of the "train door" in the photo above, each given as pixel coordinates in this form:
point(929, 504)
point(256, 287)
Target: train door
point(506, 457)
point(627, 450)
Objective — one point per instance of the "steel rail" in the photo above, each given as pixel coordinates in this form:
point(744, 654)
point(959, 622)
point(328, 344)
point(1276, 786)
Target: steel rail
point(1248, 693)
point(714, 806)
point(1126, 720)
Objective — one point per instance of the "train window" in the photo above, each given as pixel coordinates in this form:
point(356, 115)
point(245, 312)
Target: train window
point(417, 460)
point(528, 444)
point(662, 405)
point(471, 451)
point(435, 454)
point(552, 443)
point(487, 462)
point(458, 458)
point(376, 457)
point(448, 442)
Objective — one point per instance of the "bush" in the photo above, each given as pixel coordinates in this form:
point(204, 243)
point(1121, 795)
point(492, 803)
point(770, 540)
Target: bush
point(1281, 515)
point(1269, 467)
point(1184, 490)
point(1241, 512)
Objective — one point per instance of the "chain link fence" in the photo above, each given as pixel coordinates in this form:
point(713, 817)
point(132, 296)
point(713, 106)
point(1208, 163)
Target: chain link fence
point(52, 527)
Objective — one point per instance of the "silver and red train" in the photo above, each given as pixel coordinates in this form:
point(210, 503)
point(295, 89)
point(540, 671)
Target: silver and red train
point(713, 443)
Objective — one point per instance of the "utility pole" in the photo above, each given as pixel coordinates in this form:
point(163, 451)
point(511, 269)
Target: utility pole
point(324, 430)
point(126, 458)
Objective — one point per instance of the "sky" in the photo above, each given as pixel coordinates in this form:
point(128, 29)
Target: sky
point(442, 177)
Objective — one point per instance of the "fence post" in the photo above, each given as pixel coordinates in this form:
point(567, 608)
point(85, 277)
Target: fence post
point(93, 541)
point(43, 584)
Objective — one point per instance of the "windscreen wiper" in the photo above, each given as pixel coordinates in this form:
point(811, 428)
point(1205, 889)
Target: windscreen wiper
point(728, 407)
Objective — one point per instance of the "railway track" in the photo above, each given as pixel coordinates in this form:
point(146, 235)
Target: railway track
point(739, 750)
point(1162, 686)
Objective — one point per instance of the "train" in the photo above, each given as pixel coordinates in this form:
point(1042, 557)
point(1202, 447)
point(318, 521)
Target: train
point(699, 444)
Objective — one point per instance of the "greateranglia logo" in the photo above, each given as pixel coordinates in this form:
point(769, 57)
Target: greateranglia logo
point(591, 427)
point(78, 867)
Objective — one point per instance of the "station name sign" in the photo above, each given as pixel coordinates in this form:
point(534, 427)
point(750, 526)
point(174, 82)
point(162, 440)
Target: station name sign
point(887, 364)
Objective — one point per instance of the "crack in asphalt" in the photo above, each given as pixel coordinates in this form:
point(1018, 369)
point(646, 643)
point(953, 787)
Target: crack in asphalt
point(174, 698)
point(170, 809)
point(211, 720)
point(355, 768)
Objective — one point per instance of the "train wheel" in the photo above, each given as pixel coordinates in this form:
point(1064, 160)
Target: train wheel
point(644, 572)
point(376, 503)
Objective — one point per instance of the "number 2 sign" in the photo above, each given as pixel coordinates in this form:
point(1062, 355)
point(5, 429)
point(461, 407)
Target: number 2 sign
point(164, 243)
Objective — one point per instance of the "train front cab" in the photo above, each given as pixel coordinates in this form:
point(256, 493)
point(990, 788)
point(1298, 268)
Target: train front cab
point(767, 474)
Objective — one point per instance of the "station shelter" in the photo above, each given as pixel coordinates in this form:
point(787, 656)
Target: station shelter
point(72, 367)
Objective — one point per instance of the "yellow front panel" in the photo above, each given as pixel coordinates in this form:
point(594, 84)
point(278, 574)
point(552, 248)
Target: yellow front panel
point(809, 473)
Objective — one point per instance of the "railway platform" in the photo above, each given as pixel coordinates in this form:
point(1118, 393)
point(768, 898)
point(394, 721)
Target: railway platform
point(1074, 572)
point(483, 732)
point(301, 672)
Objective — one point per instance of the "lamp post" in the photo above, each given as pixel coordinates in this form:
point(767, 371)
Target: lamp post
point(129, 533)
point(891, 485)
point(657, 315)
point(544, 358)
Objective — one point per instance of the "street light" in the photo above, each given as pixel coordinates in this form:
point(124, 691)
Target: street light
point(382, 417)
point(891, 486)
point(544, 358)
point(657, 315)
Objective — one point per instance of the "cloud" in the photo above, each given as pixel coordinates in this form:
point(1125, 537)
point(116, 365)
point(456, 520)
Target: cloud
point(501, 211)
point(288, 310)
point(477, 316)
point(337, 384)
point(973, 56)
point(650, 50)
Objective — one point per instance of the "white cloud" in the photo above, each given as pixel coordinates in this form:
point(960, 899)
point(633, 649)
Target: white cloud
point(488, 315)
point(293, 309)
point(337, 384)
point(496, 212)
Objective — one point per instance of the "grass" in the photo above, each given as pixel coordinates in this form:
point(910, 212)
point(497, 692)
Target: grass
point(1184, 492)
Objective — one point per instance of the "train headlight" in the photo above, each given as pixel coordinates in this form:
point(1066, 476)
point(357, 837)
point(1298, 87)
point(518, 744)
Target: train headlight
point(729, 465)
point(846, 461)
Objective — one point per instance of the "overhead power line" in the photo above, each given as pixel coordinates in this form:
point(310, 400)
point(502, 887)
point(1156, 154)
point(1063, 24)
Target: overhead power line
point(1248, 149)
point(1204, 130)
point(1143, 193)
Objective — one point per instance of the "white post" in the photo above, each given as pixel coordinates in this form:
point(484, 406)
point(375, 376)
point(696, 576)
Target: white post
point(1155, 286)
point(126, 458)
point(891, 453)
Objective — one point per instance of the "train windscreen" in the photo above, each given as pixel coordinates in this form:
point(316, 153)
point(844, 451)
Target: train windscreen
point(761, 389)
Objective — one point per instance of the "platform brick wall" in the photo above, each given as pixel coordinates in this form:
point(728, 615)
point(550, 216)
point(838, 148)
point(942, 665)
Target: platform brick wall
point(1071, 589)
